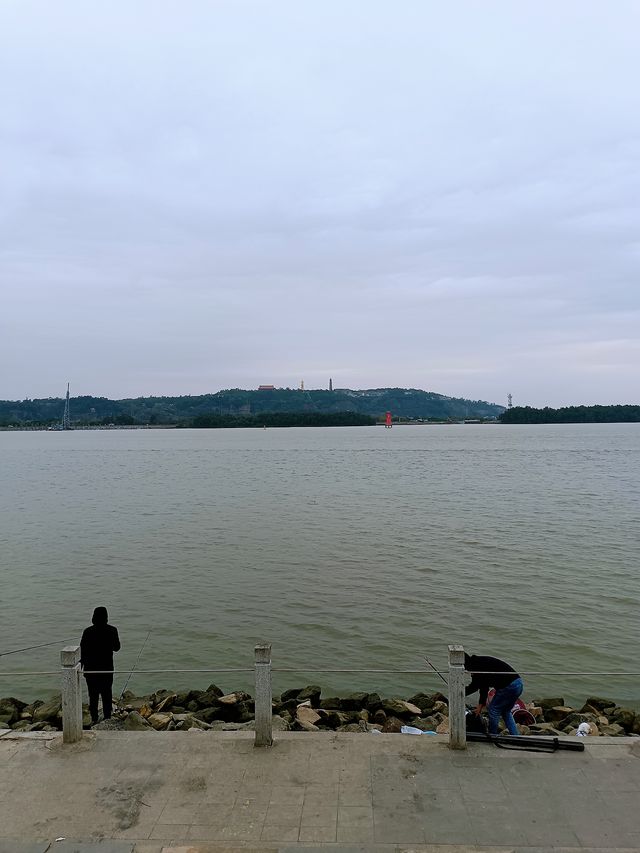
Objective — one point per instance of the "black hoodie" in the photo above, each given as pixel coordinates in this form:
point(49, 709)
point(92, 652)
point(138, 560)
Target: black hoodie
point(478, 664)
point(99, 642)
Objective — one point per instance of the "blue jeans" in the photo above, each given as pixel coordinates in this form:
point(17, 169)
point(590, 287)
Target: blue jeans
point(501, 705)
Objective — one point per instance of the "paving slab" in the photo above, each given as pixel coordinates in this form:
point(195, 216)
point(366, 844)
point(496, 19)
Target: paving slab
point(148, 792)
point(14, 846)
point(65, 846)
point(91, 847)
point(376, 848)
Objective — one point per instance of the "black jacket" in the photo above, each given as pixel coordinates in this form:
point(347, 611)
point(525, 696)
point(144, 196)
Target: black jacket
point(97, 646)
point(477, 664)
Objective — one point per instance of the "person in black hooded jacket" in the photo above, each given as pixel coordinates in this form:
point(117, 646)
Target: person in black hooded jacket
point(99, 641)
point(487, 672)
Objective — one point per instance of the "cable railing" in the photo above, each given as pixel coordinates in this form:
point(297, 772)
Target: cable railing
point(455, 677)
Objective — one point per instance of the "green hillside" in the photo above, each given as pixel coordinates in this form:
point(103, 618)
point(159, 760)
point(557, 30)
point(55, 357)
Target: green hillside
point(402, 402)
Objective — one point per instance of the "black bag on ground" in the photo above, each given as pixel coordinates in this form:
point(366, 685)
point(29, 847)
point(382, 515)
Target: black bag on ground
point(475, 723)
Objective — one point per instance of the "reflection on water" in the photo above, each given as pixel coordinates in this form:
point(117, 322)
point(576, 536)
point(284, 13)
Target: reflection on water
point(346, 548)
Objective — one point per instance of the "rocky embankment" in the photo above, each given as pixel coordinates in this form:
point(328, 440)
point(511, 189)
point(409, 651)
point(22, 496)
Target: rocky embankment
point(304, 709)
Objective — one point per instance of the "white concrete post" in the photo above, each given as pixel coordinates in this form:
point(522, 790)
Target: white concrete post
point(71, 695)
point(264, 709)
point(457, 683)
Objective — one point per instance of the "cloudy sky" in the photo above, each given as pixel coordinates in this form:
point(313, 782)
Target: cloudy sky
point(204, 195)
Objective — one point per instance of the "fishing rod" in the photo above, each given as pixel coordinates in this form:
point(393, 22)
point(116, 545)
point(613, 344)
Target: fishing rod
point(527, 743)
point(39, 646)
point(135, 664)
point(439, 674)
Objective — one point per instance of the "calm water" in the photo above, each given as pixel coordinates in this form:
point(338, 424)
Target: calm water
point(346, 548)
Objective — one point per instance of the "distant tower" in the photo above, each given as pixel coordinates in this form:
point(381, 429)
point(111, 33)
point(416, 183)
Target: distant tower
point(302, 384)
point(330, 384)
point(509, 401)
point(66, 421)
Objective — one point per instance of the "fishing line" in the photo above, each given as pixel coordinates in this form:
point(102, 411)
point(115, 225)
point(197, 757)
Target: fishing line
point(135, 664)
point(39, 646)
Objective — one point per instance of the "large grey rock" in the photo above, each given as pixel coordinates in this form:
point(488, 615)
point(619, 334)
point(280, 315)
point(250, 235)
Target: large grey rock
point(310, 694)
point(612, 730)
point(307, 718)
point(392, 725)
point(233, 698)
point(50, 711)
point(161, 697)
point(277, 725)
point(544, 729)
point(599, 703)
point(208, 699)
point(183, 699)
point(557, 713)
point(380, 718)
point(10, 710)
point(625, 717)
point(240, 711)
point(400, 708)
point(160, 721)
point(373, 702)
point(573, 720)
point(185, 722)
point(288, 707)
point(209, 715)
point(426, 701)
point(353, 728)
point(135, 722)
point(291, 694)
point(165, 704)
point(549, 702)
point(427, 724)
point(135, 704)
point(353, 702)
point(331, 703)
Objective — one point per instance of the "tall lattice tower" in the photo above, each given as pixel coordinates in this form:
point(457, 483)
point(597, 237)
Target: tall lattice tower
point(66, 421)
point(509, 401)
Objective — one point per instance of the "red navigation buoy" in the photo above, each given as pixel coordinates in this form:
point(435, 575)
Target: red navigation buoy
point(388, 423)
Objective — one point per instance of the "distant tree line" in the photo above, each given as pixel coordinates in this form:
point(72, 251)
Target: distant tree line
point(571, 415)
point(283, 419)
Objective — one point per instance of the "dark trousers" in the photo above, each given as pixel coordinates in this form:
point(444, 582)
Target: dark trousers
point(99, 687)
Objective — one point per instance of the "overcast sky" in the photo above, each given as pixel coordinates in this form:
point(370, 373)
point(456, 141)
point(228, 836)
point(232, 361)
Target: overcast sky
point(205, 195)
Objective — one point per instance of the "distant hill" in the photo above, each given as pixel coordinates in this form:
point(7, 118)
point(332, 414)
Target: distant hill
point(401, 402)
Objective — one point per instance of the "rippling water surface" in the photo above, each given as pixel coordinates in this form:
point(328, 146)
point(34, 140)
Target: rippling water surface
point(352, 548)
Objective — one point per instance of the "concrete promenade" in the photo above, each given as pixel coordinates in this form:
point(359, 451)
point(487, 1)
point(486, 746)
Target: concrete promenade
point(201, 792)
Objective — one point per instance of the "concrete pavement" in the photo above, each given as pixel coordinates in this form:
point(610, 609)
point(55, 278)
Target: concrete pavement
point(202, 792)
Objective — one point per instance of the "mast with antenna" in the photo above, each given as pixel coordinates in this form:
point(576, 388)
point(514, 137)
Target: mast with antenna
point(66, 420)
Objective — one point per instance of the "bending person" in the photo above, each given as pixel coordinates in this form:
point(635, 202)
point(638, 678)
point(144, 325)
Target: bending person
point(508, 687)
point(97, 646)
